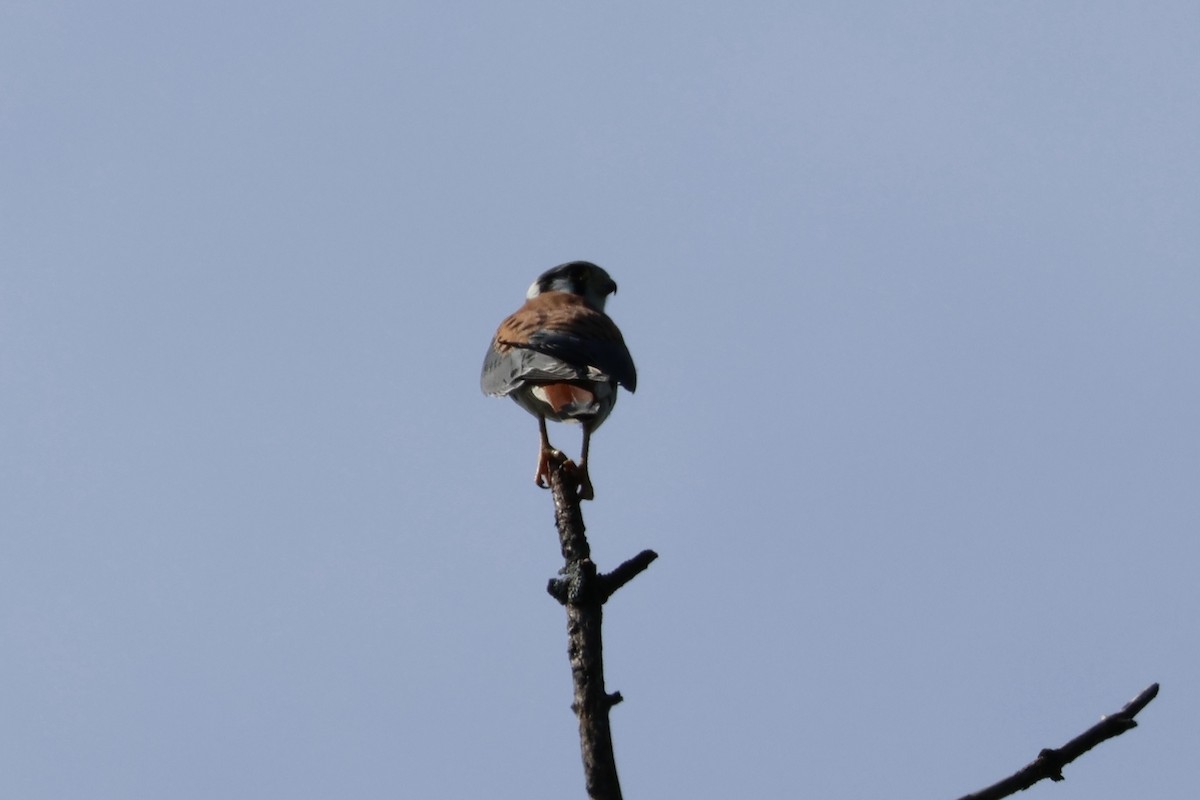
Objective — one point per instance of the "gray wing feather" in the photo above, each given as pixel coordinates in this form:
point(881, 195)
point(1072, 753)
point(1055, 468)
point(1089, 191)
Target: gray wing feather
point(504, 372)
point(609, 356)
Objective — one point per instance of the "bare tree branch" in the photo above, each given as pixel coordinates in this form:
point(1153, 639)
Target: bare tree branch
point(625, 573)
point(584, 591)
point(1050, 762)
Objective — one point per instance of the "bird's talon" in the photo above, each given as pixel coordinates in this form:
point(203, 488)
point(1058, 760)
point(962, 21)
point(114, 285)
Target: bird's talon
point(582, 481)
point(542, 476)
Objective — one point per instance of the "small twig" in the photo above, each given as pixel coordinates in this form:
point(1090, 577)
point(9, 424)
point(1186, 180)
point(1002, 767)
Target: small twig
point(1050, 762)
point(623, 574)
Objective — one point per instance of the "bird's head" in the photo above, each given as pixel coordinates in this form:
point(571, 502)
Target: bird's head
point(583, 278)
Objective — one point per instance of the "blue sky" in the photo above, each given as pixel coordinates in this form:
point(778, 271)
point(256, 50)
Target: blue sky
point(913, 293)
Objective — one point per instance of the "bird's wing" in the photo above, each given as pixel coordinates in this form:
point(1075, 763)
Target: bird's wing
point(506, 367)
point(555, 336)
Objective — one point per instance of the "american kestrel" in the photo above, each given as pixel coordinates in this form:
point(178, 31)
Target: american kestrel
point(560, 357)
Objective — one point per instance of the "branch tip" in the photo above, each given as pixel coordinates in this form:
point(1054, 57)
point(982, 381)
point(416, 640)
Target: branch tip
point(625, 573)
point(1050, 761)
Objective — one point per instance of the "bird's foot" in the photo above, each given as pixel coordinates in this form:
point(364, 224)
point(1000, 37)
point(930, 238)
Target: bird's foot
point(545, 456)
point(577, 473)
point(582, 480)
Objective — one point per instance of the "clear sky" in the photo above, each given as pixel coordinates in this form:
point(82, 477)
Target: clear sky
point(914, 294)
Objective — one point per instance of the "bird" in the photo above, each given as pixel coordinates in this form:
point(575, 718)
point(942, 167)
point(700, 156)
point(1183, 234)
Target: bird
point(560, 357)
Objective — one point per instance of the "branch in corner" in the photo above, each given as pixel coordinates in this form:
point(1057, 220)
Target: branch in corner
point(1050, 762)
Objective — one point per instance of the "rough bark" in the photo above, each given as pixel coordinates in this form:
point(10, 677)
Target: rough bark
point(583, 591)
